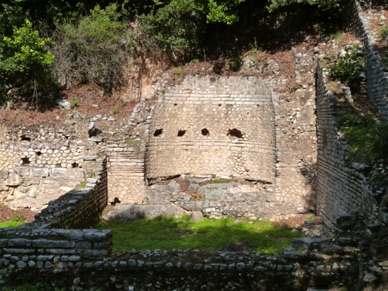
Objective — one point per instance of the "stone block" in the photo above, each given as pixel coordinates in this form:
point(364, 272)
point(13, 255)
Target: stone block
point(13, 180)
point(46, 243)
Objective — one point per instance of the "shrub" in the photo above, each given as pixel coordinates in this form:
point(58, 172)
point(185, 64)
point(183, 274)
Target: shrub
point(384, 32)
point(74, 102)
point(25, 63)
point(93, 48)
point(321, 4)
point(366, 136)
point(176, 27)
point(348, 67)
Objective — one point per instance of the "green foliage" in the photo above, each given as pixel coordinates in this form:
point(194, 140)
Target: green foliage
point(81, 185)
point(234, 63)
point(94, 48)
point(347, 68)
point(224, 12)
point(17, 220)
point(384, 32)
point(176, 27)
point(11, 15)
point(178, 72)
point(208, 234)
point(10, 224)
point(367, 137)
point(219, 180)
point(25, 61)
point(321, 4)
point(74, 102)
point(133, 142)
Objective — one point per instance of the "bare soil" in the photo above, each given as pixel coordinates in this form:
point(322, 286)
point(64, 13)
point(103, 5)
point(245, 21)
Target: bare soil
point(23, 215)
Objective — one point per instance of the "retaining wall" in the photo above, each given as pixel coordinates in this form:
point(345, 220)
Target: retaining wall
point(345, 199)
point(340, 186)
point(377, 75)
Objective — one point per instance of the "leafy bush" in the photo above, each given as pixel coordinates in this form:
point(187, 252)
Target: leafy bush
point(321, 4)
point(93, 48)
point(25, 62)
point(235, 63)
point(367, 138)
point(348, 67)
point(176, 27)
point(223, 11)
point(384, 32)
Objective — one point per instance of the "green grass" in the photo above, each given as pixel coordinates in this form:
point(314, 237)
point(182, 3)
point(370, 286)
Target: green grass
point(384, 32)
point(208, 234)
point(10, 224)
point(220, 180)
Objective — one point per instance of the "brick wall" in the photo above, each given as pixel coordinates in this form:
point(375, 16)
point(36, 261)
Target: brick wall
point(222, 126)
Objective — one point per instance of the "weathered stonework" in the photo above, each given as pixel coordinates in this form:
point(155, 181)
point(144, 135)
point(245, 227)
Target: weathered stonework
point(277, 151)
point(345, 199)
point(208, 125)
point(82, 260)
point(377, 85)
point(30, 187)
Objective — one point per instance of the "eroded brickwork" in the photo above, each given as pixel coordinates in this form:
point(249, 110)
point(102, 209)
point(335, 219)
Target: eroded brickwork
point(208, 125)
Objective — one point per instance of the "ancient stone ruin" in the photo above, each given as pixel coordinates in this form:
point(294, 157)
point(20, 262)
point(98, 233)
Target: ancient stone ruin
point(278, 158)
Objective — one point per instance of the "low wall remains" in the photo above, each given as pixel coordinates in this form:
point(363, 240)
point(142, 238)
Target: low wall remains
point(78, 208)
point(79, 260)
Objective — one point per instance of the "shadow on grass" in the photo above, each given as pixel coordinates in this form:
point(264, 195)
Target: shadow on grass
point(208, 234)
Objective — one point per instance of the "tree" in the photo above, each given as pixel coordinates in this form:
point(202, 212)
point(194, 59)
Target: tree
point(25, 61)
point(94, 48)
point(321, 4)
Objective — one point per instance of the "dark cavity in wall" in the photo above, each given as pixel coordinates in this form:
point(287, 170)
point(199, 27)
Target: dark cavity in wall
point(205, 131)
point(74, 165)
point(25, 161)
point(181, 132)
point(158, 132)
point(24, 137)
point(115, 201)
point(235, 133)
point(38, 153)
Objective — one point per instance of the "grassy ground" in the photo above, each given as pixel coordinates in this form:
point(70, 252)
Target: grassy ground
point(9, 224)
point(208, 234)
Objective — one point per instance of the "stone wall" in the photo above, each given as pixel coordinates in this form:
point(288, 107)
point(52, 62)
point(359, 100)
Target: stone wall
point(340, 185)
point(41, 147)
point(214, 125)
point(126, 171)
point(295, 125)
point(39, 164)
point(40, 250)
point(32, 187)
point(345, 199)
point(78, 260)
point(79, 207)
point(377, 85)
